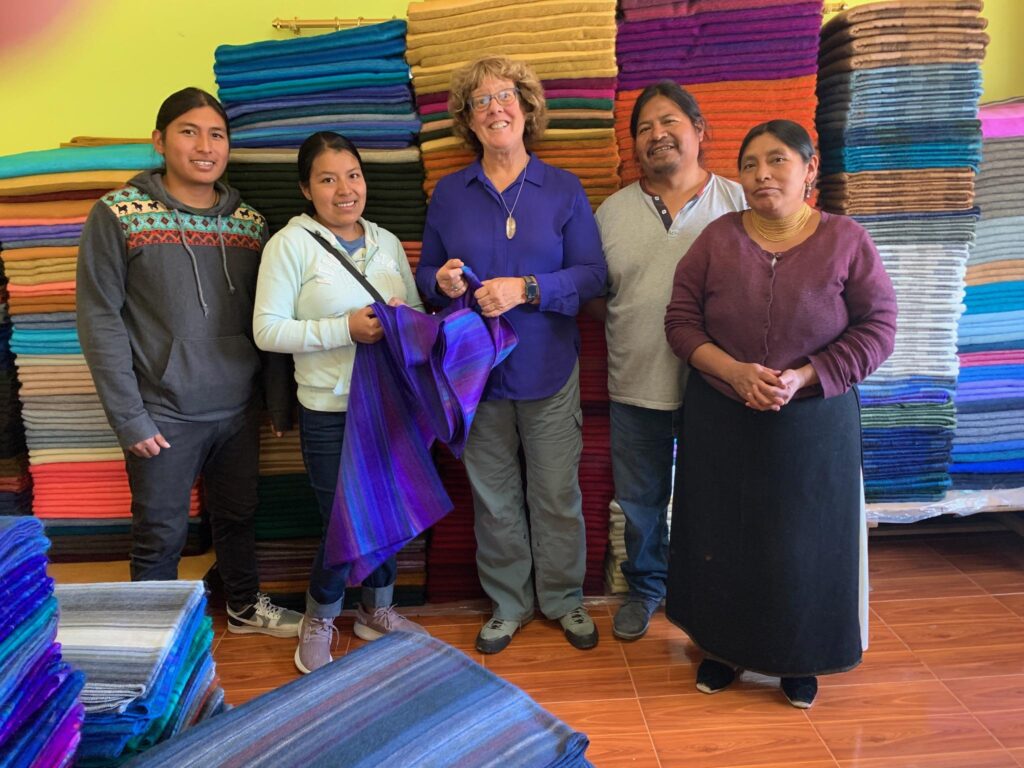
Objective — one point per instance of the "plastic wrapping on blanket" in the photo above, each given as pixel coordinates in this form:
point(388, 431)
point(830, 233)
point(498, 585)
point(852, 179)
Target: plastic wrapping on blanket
point(960, 503)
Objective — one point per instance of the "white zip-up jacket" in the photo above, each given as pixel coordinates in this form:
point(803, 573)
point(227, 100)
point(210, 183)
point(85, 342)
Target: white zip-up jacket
point(304, 296)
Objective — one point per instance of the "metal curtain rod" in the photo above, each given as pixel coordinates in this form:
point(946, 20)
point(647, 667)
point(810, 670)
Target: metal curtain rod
point(296, 24)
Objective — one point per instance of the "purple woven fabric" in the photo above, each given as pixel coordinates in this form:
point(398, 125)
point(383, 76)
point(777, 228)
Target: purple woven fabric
point(42, 676)
point(768, 55)
point(60, 749)
point(766, 71)
point(672, 46)
point(421, 383)
point(39, 232)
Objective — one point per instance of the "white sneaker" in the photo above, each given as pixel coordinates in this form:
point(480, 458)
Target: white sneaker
point(264, 618)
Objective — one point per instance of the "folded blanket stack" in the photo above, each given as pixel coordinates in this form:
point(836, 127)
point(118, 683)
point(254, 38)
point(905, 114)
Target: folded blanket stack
point(596, 462)
point(145, 650)
point(451, 552)
point(745, 61)
point(614, 581)
point(269, 181)
point(287, 520)
point(988, 448)
point(354, 82)
point(80, 489)
point(570, 44)
point(15, 481)
point(40, 715)
point(898, 90)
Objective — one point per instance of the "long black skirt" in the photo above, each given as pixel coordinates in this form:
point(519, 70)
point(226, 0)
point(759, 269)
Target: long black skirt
point(764, 555)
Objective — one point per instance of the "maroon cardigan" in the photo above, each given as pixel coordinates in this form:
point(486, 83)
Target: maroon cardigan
point(827, 301)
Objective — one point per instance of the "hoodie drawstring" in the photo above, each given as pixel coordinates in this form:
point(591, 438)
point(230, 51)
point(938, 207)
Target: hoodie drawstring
point(224, 256)
point(195, 264)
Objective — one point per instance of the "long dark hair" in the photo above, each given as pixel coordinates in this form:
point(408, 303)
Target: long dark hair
point(793, 135)
point(180, 102)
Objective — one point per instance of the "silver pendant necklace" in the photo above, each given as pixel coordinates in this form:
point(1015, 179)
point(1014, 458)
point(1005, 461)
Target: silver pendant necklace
point(510, 222)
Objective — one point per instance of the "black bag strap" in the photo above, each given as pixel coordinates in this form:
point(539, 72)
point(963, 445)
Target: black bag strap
point(347, 264)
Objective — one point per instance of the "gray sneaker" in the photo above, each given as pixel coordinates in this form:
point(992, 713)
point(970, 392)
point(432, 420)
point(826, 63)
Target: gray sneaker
point(631, 620)
point(264, 618)
point(579, 629)
point(496, 634)
point(316, 639)
point(372, 626)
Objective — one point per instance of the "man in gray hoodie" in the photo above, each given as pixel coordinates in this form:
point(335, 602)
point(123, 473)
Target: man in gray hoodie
point(166, 279)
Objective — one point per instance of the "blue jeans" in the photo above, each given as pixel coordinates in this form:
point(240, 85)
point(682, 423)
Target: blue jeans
point(642, 441)
point(321, 434)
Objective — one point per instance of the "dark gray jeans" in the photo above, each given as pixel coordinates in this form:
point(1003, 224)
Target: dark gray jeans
point(226, 454)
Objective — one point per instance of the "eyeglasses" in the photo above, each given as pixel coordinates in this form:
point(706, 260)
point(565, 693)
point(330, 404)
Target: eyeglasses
point(503, 97)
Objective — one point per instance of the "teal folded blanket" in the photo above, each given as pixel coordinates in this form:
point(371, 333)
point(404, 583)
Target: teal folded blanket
point(116, 157)
point(335, 41)
point(270, 74)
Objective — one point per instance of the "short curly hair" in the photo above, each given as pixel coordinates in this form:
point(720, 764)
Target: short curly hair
point(467, 79)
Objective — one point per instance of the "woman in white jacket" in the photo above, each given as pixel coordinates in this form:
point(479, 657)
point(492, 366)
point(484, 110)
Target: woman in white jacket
point(309, 304)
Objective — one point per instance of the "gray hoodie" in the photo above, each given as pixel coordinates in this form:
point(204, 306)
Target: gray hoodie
point(164, 300)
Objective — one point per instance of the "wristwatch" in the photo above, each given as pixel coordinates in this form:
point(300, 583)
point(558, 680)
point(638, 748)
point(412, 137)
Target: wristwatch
point(532, 289)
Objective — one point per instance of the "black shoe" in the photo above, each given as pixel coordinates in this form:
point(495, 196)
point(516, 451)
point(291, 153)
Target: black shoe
point(800, 691)
point(632, 620)
point(714, 676)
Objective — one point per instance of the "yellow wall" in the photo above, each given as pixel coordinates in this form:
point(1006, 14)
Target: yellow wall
point(1004, 61)
point(102, 67)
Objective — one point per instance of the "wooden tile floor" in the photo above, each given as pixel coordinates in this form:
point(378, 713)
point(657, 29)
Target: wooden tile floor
point(941, 686)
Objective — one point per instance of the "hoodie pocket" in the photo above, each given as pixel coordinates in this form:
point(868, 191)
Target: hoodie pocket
point(209, 375)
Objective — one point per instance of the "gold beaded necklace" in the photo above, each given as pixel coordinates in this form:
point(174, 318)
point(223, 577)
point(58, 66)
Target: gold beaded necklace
point(780, 230)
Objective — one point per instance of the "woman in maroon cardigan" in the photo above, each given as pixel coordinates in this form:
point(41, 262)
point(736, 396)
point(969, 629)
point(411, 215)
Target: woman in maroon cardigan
point(781, 309)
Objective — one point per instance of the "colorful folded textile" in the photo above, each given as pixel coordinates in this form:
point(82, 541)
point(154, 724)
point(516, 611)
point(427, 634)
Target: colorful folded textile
point(424, 383)
point(40, 716)
point(988, 447)
point(60, 161)
point(74, 459)
point(145, 650)
point(570, 44)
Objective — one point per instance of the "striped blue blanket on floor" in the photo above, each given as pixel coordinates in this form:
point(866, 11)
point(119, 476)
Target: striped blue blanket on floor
point(404, 700)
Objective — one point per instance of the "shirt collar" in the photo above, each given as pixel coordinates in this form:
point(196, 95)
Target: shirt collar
point(655, 202)
point(534, 172)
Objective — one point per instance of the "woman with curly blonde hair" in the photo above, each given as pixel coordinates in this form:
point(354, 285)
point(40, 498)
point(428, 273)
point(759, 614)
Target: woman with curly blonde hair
point(528, 233)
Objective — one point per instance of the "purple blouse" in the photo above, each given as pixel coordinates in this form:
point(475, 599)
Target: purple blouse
point(556, 240)
point(827, 301)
